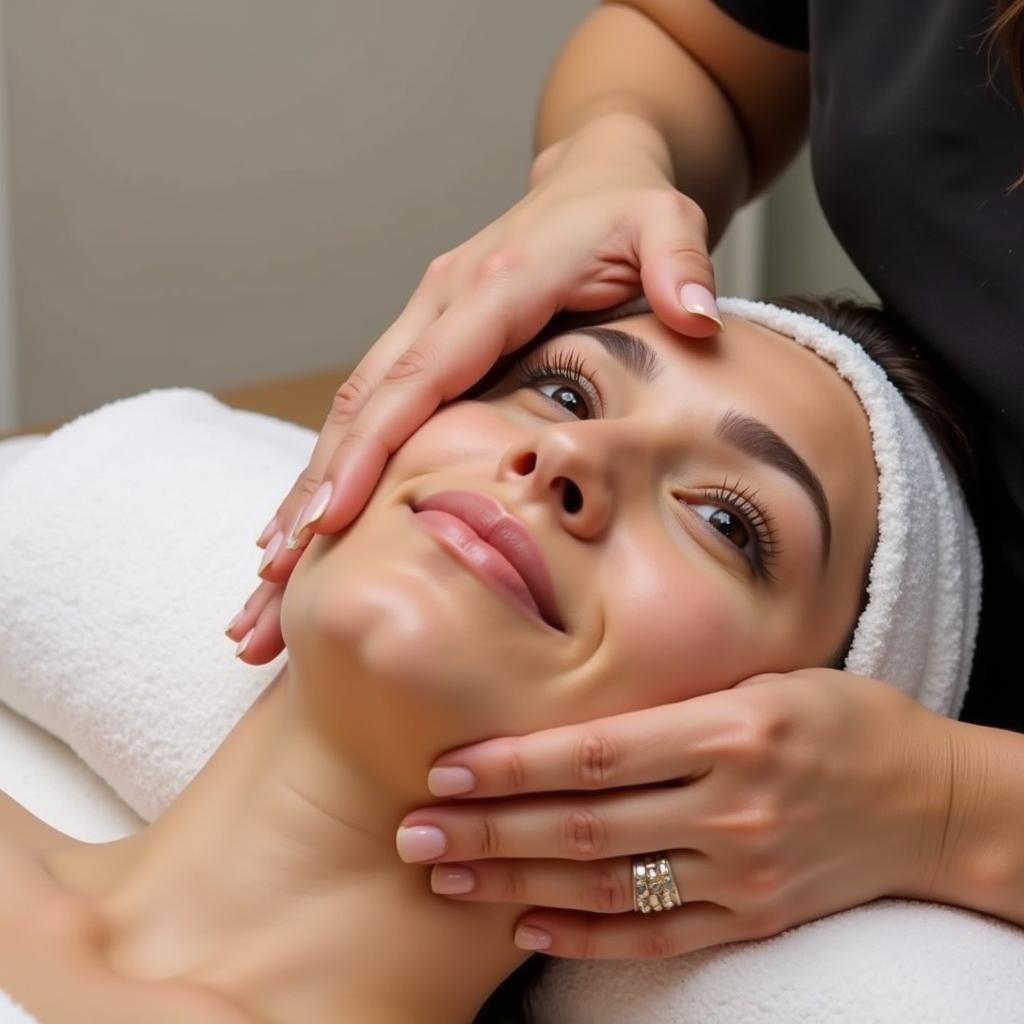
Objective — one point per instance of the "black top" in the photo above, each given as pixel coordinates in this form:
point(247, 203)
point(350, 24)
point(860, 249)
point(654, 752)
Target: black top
point(913, 152)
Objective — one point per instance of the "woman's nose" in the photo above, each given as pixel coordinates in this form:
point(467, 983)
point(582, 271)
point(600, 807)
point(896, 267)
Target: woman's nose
point(571, 471)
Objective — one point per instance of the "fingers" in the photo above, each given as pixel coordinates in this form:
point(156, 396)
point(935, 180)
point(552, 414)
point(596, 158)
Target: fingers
point(601, 887)
point(263, 642)
point(348, 400)
point(279, 559)
point(676, 271)
point(658, 936)
point(653, 745)
point(612, 825)
point(250, 612)
point(451, 355)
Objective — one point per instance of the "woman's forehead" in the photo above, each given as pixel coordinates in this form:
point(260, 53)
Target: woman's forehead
point(745, 358)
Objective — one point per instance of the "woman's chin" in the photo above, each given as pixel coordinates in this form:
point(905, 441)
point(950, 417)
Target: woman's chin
point(416, 625)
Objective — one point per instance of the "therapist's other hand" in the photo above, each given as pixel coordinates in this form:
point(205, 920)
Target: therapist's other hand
point(589, 234)
point(779, 801)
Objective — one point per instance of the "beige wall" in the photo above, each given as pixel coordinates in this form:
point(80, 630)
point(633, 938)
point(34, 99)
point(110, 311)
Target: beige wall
point(801, 253)
point(211, 192)
point(215, 191)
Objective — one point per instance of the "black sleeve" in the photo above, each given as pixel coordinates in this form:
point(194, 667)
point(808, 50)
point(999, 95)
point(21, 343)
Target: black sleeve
point(782, 21)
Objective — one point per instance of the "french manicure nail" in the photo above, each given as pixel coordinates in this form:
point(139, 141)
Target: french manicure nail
point(234, 622)
point(240, 649)
point(311, 512)
point(267, 532)
point(420, 843)
point(295, 537)
point(272, 549)
point(450, 781)
point(698, 300)
point(452, 880)
point(531, 938)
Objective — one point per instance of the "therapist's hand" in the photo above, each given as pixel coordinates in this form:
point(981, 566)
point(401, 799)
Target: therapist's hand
point(779, 801)
point(599, 225)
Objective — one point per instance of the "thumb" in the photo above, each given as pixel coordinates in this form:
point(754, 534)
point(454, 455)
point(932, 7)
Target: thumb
point(676, 272)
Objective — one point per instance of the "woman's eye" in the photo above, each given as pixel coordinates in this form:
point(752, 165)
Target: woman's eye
point(567, 397)
point(728, 523)
point(743, 522)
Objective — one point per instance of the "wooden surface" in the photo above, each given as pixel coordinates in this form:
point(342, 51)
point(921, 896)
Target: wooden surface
point(304, 399)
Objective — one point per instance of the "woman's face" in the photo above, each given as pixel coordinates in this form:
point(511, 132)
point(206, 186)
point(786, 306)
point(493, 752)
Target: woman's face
point(705, 510)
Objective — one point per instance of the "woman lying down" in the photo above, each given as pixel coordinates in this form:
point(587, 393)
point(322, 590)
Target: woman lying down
point(666, 518)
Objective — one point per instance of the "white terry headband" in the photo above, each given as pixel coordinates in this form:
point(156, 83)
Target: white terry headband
point(918, 628)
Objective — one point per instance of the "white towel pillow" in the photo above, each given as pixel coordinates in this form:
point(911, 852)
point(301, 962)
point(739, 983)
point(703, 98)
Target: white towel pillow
point(128, 539)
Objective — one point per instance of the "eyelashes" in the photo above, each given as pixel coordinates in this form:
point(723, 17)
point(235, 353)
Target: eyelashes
point(568, 366)
point(562, 365)
point(742, 500)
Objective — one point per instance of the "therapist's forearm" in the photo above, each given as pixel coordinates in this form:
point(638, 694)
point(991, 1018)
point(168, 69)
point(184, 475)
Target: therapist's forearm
point(625, 90)
point(983, 862)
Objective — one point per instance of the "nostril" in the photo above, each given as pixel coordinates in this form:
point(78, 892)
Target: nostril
point(525, 463)
point(572, 498)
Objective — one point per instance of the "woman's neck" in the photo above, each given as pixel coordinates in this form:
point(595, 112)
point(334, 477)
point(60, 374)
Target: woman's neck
point(273, 879)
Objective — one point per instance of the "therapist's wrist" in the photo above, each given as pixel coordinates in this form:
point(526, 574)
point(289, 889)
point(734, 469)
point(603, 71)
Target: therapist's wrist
point(613, 135)
point(914, 803)
point(982, 863)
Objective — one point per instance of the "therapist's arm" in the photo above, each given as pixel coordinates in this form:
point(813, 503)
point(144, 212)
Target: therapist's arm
point(983, 862)
point(683, 80)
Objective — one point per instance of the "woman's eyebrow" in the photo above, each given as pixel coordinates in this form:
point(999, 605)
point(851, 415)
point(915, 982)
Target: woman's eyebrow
point(631, 352)
point(759, 441)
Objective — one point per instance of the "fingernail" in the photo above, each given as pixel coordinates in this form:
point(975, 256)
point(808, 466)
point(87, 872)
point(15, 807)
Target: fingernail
point(240, 649)
point(531, 938)
point(268, 532)
point(272, 549)
point(699, 300)
point(311, 512)
point(452, 880)
point(234, 622)
point(420, 843)
point(450, 781)
point(295, 535)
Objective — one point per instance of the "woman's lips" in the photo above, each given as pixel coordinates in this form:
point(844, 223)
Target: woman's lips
point(479, 530)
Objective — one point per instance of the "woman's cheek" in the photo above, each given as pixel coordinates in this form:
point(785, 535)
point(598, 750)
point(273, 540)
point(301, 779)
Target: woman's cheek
point(672, 639)
point(459, 435)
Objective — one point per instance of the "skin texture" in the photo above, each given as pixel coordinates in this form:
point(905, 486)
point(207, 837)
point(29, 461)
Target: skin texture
point(273, 881)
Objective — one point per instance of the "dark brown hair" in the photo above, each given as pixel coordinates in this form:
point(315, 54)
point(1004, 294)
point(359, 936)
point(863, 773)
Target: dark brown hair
point(1005, 42)
point(1006, 38)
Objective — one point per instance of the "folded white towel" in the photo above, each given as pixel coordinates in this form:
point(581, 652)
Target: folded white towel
point(12, 1013)
point(128, 545)
point(887, 962)
point(47, 778)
